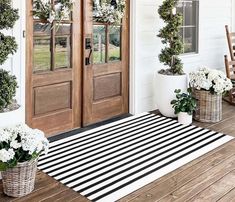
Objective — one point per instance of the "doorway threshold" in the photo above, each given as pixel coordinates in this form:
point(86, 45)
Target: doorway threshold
point(92, 126)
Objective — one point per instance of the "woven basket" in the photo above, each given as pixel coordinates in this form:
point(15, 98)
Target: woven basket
point(19, 181)
point(209, 106)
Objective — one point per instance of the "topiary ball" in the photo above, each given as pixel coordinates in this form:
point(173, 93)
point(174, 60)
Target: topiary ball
point(8, 15)
point(8, 46)
point(8, 85)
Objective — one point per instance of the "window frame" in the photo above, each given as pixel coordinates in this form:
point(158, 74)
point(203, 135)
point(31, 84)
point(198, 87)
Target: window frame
point(196, 26)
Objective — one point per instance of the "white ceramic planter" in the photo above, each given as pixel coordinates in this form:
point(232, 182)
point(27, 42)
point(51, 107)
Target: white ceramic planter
point(185, 118)
point(165, 86)
point(11, 118)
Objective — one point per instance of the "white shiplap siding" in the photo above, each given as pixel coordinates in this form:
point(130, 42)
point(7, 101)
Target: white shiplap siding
point(213, 16)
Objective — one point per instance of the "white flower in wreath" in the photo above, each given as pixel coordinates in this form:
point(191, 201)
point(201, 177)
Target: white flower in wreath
point(6, 155)
point(52, 16)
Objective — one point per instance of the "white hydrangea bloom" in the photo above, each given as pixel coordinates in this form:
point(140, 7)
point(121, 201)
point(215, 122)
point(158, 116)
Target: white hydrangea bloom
point(210, 80)
point(15, 144)
point(5, 136)
point(6, 155)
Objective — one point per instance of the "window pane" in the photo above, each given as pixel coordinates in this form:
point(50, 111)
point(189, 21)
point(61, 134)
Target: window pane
point(190, 39)
point(189, 30)
point(41, 54)
point(190, 13)
point(62, 52)
point(114, 43)
point(99, 40)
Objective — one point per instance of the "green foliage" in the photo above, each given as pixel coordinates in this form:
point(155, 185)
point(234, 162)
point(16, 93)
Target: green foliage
point(8, 46)
point(42, 11)
point(8, 87)
point(171, 38)
point(8, 15)
point(184, 102)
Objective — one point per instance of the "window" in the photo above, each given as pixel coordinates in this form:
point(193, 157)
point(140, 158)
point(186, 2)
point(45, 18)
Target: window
point(189, 29)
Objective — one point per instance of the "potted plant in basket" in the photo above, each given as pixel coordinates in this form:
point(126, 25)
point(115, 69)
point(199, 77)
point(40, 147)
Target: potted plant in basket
point(167, 80)
point(208, 87)
point(20, 147)
point(8, 45)
point(184, 105)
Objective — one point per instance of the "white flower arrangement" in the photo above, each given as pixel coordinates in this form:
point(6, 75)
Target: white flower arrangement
point(19, 144)
point(105, 12)
point(211, 80)
point(44, 10)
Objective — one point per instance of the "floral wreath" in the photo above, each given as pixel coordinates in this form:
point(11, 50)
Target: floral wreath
point(44, 10)
point(109, 11)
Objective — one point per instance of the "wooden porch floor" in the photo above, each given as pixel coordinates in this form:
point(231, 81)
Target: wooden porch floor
point(208, 178)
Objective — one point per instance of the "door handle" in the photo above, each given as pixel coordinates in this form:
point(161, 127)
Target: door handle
point(88, 59)
point(88, 47)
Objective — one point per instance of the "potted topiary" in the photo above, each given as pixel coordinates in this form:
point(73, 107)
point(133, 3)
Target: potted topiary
point(167, 80)
point(184, 106)
point(8, 83)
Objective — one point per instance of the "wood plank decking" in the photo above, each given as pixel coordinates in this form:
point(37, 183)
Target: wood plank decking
point(208, 178)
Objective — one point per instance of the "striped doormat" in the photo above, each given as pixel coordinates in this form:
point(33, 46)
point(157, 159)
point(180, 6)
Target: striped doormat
point(111, 161)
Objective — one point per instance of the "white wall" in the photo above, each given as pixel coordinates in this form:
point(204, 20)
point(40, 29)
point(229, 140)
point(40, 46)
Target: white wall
point(233, 11)
point(16, 63)
point(214, 15)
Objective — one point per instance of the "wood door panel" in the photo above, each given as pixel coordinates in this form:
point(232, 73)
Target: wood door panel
point(107, 86)
point(107, 109)
point(104, 69)
point(105, 81)
point(53, 95)
point(47, 78)
point(49, 123)
point(52, 98)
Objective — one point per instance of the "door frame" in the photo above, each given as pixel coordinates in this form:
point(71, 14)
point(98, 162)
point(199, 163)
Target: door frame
point(28, 61)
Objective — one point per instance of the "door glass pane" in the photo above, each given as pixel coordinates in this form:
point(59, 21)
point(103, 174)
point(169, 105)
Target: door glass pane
point(66, 12)
point(62, 46)
point(62, 52)
point(41, 28)
point(41, 53)
point(99, 40)
point(63, 29)
point(114, 43)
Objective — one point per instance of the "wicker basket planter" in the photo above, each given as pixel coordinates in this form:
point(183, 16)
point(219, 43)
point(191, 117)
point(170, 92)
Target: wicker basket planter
point(19, 181)
point(209, 106)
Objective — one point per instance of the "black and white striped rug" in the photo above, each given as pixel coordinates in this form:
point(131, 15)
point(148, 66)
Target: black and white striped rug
point(110, 162)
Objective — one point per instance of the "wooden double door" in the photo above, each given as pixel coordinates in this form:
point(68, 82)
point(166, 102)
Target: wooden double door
point(76, 71)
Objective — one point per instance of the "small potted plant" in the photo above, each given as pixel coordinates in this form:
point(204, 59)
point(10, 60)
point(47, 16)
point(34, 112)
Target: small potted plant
point(184, 105)
point(20, 147)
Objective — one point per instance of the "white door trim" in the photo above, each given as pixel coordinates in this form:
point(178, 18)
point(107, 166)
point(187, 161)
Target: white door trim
point(132, 65)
